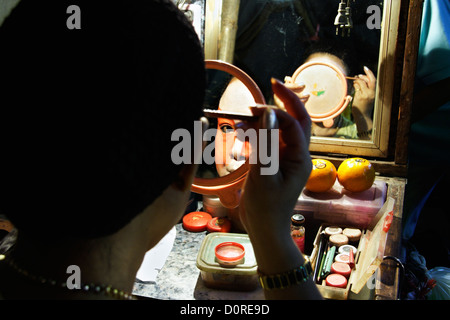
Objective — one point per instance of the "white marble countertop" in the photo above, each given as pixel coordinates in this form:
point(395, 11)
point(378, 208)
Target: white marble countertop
point(180, 278)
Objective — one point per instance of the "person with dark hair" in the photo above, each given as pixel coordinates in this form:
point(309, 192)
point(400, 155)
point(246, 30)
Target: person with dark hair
point(357, 119)
point(86, 174)
point(275, 37)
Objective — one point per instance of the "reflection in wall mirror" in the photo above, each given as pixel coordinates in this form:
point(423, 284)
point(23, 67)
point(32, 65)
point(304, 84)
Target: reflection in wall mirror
point(276, 38)
point(194, 10)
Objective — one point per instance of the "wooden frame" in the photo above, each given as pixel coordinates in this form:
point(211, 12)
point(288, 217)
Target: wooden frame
point(409, 62)
point(213, 12)
point(378, 146)
point(404, 60)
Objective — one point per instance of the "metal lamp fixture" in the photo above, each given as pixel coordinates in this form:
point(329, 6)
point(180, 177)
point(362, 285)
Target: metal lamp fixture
point(343, 20)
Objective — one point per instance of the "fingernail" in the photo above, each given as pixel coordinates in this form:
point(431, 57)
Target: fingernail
point(365, 68)
point(269, 119)
point(275, 81)
point(205, 126)
point(205, 123)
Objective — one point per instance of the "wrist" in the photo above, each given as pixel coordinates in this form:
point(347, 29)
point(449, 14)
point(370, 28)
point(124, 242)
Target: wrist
point(359, 115)
point(276, 253)
point(365, 134)
point(287, 279)
point(363, 121)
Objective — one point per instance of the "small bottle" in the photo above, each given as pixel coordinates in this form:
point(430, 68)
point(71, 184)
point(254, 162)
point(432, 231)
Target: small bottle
point(298, 231)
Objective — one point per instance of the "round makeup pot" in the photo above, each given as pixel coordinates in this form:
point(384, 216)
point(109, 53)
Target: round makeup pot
point(229, 253)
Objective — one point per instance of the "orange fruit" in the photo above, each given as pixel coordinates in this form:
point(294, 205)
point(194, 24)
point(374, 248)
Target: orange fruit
point(356, 174)
point(322, 177)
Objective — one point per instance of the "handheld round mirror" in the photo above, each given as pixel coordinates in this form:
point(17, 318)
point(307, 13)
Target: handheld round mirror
point(229, 89)
point(327, 87)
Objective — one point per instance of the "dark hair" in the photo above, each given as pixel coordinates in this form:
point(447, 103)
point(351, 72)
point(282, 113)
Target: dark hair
point(342, 48)
point(86, 115)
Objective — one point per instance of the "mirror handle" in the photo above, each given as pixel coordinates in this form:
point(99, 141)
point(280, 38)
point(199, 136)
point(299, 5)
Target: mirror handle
point(328, 123)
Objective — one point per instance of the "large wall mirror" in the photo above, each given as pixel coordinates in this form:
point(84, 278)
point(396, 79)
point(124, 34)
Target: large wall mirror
point(274, 38)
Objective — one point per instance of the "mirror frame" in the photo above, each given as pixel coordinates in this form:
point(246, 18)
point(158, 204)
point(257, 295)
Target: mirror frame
point(378, 146)
point(227, 187)
point(387, 85)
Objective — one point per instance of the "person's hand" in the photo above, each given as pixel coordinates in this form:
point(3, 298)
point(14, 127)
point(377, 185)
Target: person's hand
point(294, 87)
point(265, 197)
point(268, 201)
point(364, 98)
point(363, 102)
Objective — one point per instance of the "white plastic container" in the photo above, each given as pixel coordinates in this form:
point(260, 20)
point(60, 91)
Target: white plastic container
point(240, 277)
point(341, 207)
point(213, 206)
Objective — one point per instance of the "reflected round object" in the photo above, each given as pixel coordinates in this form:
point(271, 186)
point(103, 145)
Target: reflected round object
point(327, 88)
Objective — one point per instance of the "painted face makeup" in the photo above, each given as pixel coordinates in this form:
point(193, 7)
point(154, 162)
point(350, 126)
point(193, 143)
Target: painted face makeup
point(231, 152)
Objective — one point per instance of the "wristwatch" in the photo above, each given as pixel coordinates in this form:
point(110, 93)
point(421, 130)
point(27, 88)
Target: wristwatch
point(287, 279)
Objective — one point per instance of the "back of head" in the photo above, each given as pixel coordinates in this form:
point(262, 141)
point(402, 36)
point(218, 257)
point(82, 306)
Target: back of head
point(86, 115)
point(342, 48)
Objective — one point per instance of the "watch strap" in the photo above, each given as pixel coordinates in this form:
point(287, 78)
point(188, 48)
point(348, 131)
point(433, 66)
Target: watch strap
point(287, 279)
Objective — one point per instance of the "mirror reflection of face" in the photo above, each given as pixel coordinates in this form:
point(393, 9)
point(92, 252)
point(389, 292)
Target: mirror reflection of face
point(230, 152)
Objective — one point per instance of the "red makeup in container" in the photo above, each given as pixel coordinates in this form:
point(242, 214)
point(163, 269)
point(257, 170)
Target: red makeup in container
point(341, 268)
point(336, 280)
